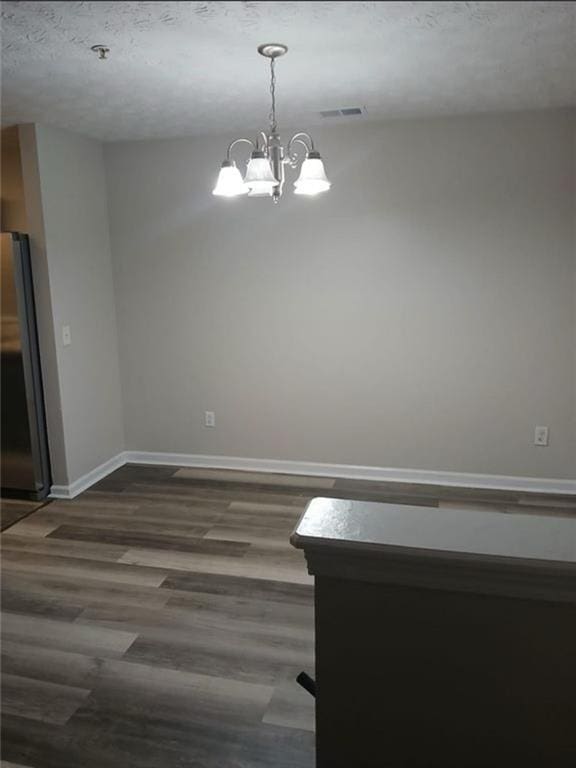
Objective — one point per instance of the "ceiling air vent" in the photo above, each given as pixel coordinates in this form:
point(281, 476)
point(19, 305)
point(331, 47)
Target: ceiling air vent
point(347, 112)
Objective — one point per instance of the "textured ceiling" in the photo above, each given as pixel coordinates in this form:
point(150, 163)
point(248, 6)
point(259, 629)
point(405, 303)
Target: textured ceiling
point(182, 68)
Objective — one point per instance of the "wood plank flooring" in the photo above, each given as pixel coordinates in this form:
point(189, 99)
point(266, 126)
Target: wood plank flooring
point(12, 510)
point(159, 619)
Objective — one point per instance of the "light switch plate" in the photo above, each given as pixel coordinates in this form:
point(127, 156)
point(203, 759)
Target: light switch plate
point(66, 336)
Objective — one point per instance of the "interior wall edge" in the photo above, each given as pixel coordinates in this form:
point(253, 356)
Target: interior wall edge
point(44, 301)
point(89, 479)
point(74, 270)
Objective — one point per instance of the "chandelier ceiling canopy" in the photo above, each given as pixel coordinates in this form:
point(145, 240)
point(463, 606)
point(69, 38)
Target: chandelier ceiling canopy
point(264, 175)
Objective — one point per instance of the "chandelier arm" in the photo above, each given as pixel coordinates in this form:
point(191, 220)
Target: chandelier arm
point(296, 138)
point(238, 141)
point(291, 156)
point(264, 141)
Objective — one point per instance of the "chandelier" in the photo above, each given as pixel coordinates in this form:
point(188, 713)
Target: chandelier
point(264, 175)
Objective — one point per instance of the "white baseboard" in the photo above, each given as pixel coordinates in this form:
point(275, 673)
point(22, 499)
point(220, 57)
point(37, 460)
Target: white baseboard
point(353, 472)
point(87, 480)
point(346, 471)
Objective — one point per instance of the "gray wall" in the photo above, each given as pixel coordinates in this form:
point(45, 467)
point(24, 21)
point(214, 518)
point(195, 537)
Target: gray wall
point(574, 252)
point(68, 225)
point(419, 315)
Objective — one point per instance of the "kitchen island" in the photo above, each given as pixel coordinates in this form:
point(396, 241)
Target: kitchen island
point(444, 637)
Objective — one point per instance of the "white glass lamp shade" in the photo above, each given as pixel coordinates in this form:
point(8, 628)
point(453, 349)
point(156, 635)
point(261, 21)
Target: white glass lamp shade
point(259, 177)
point(312, 179)
point(230, 182)
point(265, 192)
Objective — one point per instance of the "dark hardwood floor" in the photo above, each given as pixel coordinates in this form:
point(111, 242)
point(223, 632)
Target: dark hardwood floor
point(159, 619)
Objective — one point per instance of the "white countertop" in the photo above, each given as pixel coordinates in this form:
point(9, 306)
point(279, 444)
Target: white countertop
point(475, 532)
point(385, 533)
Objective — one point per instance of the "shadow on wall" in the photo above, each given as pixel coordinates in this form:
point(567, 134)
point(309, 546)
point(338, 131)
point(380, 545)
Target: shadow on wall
point(13, 207)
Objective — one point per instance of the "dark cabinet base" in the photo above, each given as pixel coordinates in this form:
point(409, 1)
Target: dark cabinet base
point(424, 678)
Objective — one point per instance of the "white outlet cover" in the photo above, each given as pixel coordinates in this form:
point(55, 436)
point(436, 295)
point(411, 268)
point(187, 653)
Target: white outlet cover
point(209, 419)
point(541, 436)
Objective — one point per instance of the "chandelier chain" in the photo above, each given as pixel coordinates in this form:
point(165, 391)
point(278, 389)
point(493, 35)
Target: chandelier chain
point(272, 116)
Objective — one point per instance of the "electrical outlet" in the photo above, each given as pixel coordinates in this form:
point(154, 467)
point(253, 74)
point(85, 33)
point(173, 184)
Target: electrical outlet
point(541, 436)
point(209, 419)
point(66, 336)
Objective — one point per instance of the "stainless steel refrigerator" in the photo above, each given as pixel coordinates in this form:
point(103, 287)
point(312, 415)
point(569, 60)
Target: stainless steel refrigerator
point(25, 460)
